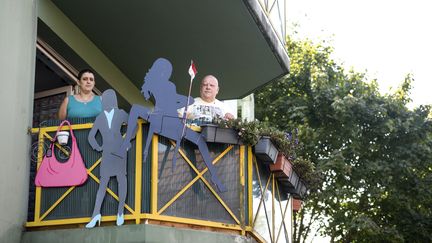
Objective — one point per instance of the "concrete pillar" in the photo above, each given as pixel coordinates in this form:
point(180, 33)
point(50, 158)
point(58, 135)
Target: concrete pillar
point(17, 66)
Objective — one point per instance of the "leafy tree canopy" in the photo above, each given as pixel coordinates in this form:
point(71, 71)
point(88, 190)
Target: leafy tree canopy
point(373, 154)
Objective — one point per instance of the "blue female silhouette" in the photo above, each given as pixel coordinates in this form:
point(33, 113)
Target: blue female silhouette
point(109, 123)
point(164, 120)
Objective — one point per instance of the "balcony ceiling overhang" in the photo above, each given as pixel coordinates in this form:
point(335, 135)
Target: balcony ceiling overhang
point(231, 39)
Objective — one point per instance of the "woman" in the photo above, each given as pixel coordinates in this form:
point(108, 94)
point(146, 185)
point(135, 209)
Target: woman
point(84, 104)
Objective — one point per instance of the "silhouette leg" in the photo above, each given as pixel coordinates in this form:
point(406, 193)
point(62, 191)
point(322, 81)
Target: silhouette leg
point(197, 139)
point(136, 112)
point(165, 158)
point(122, 189)
point(148, 141)
point(176, 149)
point(100, 195)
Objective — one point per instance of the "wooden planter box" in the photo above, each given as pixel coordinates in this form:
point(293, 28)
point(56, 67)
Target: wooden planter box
point(214, 134)
point(296, 204)
point(266, 151)
point(285, 174)
point(282, 168)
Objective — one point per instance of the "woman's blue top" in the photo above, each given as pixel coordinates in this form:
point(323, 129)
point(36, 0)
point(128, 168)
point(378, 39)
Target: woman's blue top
point(78, 109)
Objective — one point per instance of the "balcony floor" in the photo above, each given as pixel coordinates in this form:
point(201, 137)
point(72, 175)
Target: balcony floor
point(130, 233)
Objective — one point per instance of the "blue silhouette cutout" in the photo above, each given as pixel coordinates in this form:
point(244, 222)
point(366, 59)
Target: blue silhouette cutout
point(164, 120)
point(108, 123)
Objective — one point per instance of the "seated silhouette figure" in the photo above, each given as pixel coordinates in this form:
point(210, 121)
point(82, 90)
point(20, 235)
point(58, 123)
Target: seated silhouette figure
point(164, 120)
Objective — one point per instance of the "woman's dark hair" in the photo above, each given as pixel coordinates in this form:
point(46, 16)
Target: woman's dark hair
point(81, 73)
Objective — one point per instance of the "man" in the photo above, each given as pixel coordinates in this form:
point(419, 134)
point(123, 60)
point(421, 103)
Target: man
point(206, 107)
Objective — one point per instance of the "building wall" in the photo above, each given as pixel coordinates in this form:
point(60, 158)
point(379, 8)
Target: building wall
point(17, 64)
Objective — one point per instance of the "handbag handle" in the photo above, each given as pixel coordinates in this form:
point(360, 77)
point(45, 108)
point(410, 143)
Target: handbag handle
point(55, 137)
point(70, 130)
point(51, 147)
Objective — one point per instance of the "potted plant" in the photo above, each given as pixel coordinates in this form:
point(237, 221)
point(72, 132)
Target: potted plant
point(300, 190)
point(247, 133)
point(293, 173)
point(296, 204)
point(282, 167)
point(265, 150)
point(284, 172)
point(216, 134)
point(291, 182)
point(310, 178)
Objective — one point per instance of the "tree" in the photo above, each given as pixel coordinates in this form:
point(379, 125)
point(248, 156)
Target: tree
point(372, 153)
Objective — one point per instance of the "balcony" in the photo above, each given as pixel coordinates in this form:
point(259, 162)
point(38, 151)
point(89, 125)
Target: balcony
point(254, 204)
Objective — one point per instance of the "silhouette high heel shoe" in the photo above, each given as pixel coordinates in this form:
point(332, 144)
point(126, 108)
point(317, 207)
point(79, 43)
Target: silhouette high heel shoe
point(93, 221)
point(120, 219)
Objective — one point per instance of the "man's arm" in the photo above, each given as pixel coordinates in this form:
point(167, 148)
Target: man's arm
point(229, 116)
point(226, 110)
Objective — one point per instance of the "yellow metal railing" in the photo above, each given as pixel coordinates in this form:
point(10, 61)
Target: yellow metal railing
point(38, 218)
point(135, 213)
point(243, 224)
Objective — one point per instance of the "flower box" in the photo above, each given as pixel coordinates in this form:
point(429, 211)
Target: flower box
point(282, 168)
point(296, 204)
point(214, 134)
point(266, 151)
point(290, 183)
point(285, 174)
point(300, 190)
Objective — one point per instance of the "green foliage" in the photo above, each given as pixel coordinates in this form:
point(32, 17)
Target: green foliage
point(249, 132)
point(306, 170)
point(286, 143)
point(372, 156)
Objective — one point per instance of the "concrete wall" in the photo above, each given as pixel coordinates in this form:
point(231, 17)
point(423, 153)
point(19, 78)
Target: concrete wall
point(17, 65)
point(132, 234)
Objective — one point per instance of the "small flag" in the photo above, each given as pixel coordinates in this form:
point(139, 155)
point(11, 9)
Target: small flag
point(192, 70)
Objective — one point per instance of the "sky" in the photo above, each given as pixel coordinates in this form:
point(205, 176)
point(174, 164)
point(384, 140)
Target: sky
point(388, 39)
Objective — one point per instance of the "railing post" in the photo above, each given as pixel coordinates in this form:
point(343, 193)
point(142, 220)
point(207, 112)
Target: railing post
point(38, 191)
point(154, 175)
point(273, 206)
point(242, 189)
point(250, 179)
point(138, 174)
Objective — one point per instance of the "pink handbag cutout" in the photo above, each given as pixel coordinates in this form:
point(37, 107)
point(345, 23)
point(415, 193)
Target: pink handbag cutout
point(53, 173)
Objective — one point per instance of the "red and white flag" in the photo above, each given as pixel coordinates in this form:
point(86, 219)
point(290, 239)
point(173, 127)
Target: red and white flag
point(192, 70)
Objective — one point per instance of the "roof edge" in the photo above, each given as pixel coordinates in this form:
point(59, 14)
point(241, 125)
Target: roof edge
point(271, 37)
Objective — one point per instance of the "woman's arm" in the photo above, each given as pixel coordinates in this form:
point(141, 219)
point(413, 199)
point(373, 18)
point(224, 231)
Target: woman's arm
point(63, 109)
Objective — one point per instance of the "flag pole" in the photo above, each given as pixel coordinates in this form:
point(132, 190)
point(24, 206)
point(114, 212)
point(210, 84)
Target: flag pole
point(192, 72)
point(188, 96)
